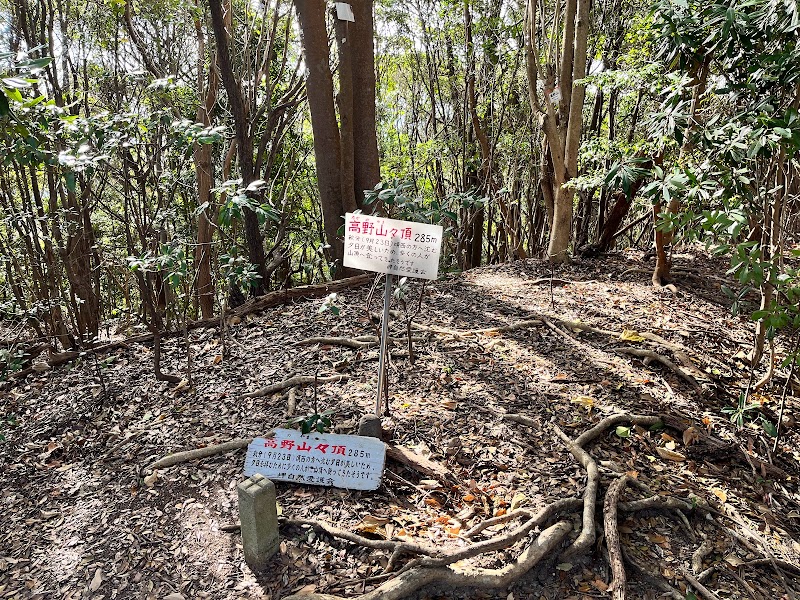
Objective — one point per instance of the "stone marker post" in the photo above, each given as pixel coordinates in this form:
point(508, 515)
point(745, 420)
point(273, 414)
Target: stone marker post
point(258, 515)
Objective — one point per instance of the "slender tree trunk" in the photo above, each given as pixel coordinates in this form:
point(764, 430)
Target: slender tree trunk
point(255, 241)
point(204, 174)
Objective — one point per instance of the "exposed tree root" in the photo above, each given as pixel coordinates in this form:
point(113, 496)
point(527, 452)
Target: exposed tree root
point(649, 355)
point(187, 455)
point(777, 562)
point(474, 332)
point(702, 590)
point(336, 532)
point(587, 536)
point(502, 541)
point(433, 565)
point(645, 575)
point(699, 555)
point(618, 587)
point(411, 580)
point(665, 503)
point(590, 435)
point(292, 382)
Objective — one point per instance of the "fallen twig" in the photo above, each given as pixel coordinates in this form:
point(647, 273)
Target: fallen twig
point(698, 555)
point(471, 332)
point(618, 587)
point(700, 588)
point(187, 455)
point(420, 463)
point(365, 341)
point(292, 382)
point(343, 534)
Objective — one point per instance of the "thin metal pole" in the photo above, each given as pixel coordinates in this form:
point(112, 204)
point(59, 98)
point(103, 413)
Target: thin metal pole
point(387, 297)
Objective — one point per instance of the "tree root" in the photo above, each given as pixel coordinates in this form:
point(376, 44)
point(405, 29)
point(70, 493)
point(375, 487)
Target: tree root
point(698, 555)
point(433, 565)
point(336, 532)
point(590, 435)
point(657, 582)
point(587, 536)
point(187, 455)
point(618, 587)
point(413, 579)
point(700, 588)
point(474, 332)
point(649, 355)
point(292, 382)
point(502, 541)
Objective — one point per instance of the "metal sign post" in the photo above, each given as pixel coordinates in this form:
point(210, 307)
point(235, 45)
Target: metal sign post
point(399, 249)
point(387, 299)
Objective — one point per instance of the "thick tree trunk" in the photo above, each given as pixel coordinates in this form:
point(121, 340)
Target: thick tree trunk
point(344, 100)
point(367, 171)
point(327, 145)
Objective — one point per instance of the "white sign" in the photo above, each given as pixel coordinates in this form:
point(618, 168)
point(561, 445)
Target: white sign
point(402, 248)
point(344, 12)
point(345, 461)
point(555, 96)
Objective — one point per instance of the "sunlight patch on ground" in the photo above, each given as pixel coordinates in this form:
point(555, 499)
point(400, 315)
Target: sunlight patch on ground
point(204, 545)
point(65, 554)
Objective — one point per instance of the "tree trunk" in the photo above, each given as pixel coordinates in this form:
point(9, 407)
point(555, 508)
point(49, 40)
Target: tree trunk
point(327, 145)
point(367, 171)
point(205, 175)
point(344, 100)
point(255, 242)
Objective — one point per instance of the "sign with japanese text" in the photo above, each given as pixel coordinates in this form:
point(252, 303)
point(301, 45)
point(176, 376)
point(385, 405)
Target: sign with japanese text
point(402, 248)
point(346, 461)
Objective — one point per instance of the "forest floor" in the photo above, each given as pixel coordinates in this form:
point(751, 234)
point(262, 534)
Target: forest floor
point(82, 518)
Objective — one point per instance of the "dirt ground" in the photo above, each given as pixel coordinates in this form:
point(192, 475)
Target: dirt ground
point(83, 518)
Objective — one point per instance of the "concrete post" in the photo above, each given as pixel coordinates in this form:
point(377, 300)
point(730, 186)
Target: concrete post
point(258, 515)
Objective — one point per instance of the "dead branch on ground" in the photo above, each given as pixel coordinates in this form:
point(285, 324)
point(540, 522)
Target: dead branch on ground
point(292, 382)
point(187, 455)
point(618, 587)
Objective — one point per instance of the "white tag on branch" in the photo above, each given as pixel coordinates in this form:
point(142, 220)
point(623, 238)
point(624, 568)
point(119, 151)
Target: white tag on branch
point(344, 12)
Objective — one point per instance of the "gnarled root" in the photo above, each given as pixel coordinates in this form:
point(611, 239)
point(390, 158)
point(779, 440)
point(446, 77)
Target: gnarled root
point(413, 579)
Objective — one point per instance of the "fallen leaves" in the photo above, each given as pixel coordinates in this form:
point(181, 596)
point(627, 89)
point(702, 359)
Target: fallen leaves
point(629, 335)
point(97, 581)
point(668, 454)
